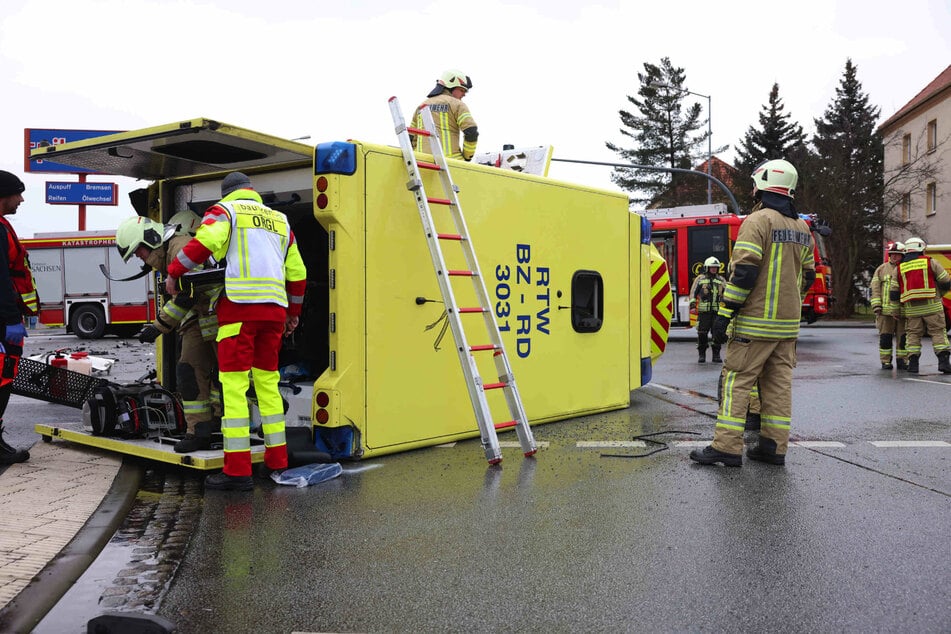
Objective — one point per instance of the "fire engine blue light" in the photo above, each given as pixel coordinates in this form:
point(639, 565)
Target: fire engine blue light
point(645, 230)
point(337, 157)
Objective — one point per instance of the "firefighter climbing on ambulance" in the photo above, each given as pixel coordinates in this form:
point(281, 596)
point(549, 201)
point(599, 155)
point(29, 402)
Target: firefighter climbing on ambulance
point(190, 314)
point(705, 296)
point(921, 283)
point(451, 116)
point(261, 304)
point(888, 318)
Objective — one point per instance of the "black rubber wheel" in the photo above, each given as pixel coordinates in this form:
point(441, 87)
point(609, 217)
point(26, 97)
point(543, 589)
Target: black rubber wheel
point(88, 322)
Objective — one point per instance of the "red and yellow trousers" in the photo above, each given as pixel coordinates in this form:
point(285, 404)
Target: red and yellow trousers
point(249, 350)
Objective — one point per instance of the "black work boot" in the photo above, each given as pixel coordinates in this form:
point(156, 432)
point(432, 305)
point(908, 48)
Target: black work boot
point(913, 363)
point(901, 364)
point(225, 482)
point(887, 365)
point(753, 421)
point(9, 455)
point(197, 441)
point(716, 356)
point(708, 455)
point(765, 451)
point(703, 355)
point(192, 442)
point(944, 362)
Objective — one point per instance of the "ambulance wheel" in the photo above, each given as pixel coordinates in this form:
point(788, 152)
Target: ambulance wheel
point(88, 322)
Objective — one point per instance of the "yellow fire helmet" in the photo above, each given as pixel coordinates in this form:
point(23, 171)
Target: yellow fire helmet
point(138, 231)
point(185, 222)
point(777, 176)
point(455, 79)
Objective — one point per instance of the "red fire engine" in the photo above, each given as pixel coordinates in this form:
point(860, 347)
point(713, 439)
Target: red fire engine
point(686, 236)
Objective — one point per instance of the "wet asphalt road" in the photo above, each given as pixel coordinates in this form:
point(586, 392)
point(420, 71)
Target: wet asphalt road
point(848, 537)
point(844, 538)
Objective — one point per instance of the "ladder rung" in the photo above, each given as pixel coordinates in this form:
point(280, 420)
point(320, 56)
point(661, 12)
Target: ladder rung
point(418, 131)
point(494, 386)
point(481, 348)
point(460, 273)
point(439, 201)
point(428, 166)
point(506, 424)
point(449, 236)
point(475, 309)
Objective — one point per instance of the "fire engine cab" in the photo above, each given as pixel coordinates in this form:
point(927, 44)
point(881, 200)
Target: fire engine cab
point(686, 236)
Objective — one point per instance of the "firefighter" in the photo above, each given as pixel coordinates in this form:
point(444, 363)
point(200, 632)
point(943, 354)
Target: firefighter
point(451, 117)
point(261, 303)
point(921, 283)
point(190, 314)
point(705, 296)
point(18, 299)
point(772, 266)
point(888, 317)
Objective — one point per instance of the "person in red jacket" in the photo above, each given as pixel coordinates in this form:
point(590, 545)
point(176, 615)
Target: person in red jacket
point(17, 299)
point(262, 301)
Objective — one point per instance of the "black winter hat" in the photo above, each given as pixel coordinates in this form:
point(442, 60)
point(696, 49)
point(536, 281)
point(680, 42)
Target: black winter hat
point(233, 182)
point(10, 184)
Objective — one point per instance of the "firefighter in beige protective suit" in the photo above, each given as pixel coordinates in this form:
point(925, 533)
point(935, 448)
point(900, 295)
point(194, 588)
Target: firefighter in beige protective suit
point(888, 317)
point(921, 283)
point(190, 314)
point(772, 265)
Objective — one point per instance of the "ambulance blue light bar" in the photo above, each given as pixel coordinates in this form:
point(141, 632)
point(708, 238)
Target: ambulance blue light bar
point(337, 157)
point(645, 230)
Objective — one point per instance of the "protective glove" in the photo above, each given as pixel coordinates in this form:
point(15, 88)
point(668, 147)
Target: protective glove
point(15, 334)
point(149, 334)
point(718, 331)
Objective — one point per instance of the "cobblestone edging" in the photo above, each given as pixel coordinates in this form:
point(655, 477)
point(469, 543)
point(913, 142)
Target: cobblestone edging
point(155, 533)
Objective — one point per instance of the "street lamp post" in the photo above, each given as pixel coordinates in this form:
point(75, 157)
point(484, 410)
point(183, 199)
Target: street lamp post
point(657, 84)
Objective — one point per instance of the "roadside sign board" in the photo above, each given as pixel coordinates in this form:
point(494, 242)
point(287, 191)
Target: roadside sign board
point(42, 137)
point(65, 193)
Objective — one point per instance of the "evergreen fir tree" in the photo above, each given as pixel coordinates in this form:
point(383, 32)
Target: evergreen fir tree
point(776, 138)
point(846, 186)
point(664, 134)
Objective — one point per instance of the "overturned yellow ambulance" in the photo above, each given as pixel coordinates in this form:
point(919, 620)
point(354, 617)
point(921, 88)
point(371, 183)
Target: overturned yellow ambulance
point(579, 294)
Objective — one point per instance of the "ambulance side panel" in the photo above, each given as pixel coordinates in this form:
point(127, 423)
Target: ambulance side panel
point(533, 237)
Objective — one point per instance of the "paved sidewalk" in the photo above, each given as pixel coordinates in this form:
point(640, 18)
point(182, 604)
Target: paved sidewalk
point(44, 503)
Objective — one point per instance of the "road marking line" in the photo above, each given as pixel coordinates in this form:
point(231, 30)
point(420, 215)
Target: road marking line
point(691, 443)
point(514, 443)
point(929, 381)
point(909, 443)
point(817, 444)
point(603, 444)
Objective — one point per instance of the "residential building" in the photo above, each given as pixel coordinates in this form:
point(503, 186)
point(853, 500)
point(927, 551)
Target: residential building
point(918, 164)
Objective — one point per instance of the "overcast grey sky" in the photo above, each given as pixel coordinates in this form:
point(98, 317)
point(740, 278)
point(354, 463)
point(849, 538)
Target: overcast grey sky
point(546, 72)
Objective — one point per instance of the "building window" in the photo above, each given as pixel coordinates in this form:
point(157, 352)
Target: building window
point(931, 199)
point(932, 135)
point(906, 208)
point(906, 149)
point(587, 301)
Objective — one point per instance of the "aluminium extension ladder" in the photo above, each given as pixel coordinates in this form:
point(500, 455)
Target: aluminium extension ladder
point(474, 383)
